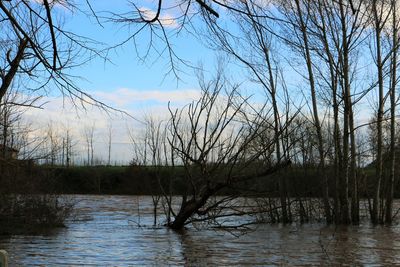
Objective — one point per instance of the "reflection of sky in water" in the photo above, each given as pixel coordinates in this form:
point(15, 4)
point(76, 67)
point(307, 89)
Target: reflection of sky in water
point(105, 234)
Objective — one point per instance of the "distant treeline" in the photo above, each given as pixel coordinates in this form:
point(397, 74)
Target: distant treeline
point(302, 181)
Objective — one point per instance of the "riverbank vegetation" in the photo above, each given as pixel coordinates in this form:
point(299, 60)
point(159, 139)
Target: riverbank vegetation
point(140, 180)
point(28, 202)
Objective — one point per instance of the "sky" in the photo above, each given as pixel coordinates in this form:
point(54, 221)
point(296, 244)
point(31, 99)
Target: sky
point(126, 70)
point(125, 82)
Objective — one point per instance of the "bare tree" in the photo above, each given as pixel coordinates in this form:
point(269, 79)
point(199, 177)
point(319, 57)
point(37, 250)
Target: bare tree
point(297, 15)
point(88, 133)
point(211, 138)
point(55, 144)
point(109, 143)
point(382, 12)
point(155, 136)
point(393, 84)
point(253, 47)
point(68, 146)
point(38, 52)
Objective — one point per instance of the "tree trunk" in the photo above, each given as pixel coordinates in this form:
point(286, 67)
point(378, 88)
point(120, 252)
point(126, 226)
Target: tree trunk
point(282, 183)
point(189, 208)
point(317, 124)
point(355, 215)
point(336, 129)
point(344, 179)
point(389, 197)
point(379, 156)
point(14, 65)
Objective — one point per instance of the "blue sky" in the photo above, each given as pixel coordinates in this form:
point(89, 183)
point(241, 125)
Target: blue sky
point(126, 69)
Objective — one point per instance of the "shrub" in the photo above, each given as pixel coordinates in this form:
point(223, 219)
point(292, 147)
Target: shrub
point(25, 206)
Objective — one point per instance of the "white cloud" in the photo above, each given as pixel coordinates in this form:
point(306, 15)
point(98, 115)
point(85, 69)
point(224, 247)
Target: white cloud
point(64, 4)
point(166, 19)
point(124, 97)
point(63, 115)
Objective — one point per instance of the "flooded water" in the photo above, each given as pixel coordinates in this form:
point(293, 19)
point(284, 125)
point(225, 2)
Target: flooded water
point(105, 232)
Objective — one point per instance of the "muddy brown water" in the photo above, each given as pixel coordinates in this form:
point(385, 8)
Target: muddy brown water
point(105, 232)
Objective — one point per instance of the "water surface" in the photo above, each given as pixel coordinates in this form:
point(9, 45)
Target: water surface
point(105, 232)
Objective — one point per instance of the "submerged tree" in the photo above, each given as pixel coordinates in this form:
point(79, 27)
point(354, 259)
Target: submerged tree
point(211, 140)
